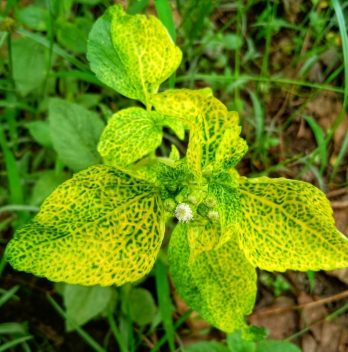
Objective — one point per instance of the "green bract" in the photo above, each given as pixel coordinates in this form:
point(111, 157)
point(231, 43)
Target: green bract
point(105, 225)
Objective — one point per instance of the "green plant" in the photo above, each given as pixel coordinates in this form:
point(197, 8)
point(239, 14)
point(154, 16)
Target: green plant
point(106, 225)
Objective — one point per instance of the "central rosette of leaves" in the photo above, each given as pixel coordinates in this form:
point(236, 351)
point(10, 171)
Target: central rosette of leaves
point(106, 225)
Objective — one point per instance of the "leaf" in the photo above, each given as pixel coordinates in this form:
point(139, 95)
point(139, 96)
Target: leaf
point(142, 307)
point(75, 132)
point(214, 132)
point(85, 303)
point(228, 206)
point(232, 147)
point(206, 346)
point(101, 227)
point(174, 153)
point(45, 185)
point(183, 104)
point(220, 285)
point(40, 131)
point(34, 17)
point(73, 36)
point(201, 239)
point(236, 343)
point(276, 346)
point(132, 54)
point(129, 135)
point(29, 65)
point(288, 224)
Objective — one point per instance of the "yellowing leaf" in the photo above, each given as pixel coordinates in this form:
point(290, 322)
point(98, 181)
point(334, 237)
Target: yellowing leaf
point(289, 225)
point(201, 239)
point(232, 147)
point(132, 54)
point(129, 135)
point(220, 284)
point(101, 227)
point(184, 104)
point(214, 132)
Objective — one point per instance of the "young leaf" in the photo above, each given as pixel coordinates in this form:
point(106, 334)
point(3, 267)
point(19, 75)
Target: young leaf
point(228, 206)
point(129, 135)
point(232, 147)
point(101, 227)
point(184, 104)
point(75, 132)
point(220, 284)
point(214, 132)
point(288, 224)
point(85, 303)
point(132, 54)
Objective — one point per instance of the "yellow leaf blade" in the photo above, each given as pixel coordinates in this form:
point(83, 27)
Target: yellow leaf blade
point(288, 224)
point(100, 227)
point(220, 284)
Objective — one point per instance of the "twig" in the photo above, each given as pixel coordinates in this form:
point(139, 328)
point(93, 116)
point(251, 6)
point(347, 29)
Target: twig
point(321, 301)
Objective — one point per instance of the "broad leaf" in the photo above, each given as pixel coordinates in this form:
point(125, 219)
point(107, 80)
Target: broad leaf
point(214, 132)
point(73, 36)
point(101, 227)
point(289, 225)
point(29, 65)
point(129, 135)
point(276, 346)
point(40, 131)
point(75, 132)
point(85, 303)
point(220, 284)
point(132, 54)
point(201, 239)
point(46, 184)
point(184, 104)
point(142, 307)
point(34, 17)
point(206, 346)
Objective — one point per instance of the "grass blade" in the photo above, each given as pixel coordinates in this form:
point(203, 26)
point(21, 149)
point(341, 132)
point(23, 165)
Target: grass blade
point(340, 156)
point(85, 336)
point(344, 37)
point(177, 324)
point(259, 117)
point(15, 342)
point(12, 328)
point(13, 176)
point(164, 301)
point(8, 295)
point(164, 13)
point(118, 336)
point(320, 138)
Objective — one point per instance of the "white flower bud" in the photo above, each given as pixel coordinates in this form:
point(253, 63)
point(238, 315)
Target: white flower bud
point(183, 212)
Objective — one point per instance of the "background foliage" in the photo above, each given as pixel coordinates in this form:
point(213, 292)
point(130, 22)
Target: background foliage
point(283, 65)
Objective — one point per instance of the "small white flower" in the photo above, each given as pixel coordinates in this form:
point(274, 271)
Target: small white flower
point(183, 212)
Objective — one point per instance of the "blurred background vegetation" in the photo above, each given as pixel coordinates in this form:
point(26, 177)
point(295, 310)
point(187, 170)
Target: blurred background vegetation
point(282, 64)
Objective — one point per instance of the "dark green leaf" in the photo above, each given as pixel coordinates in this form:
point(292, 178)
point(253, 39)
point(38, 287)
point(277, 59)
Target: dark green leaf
point(75, 133)
point(85, 303)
